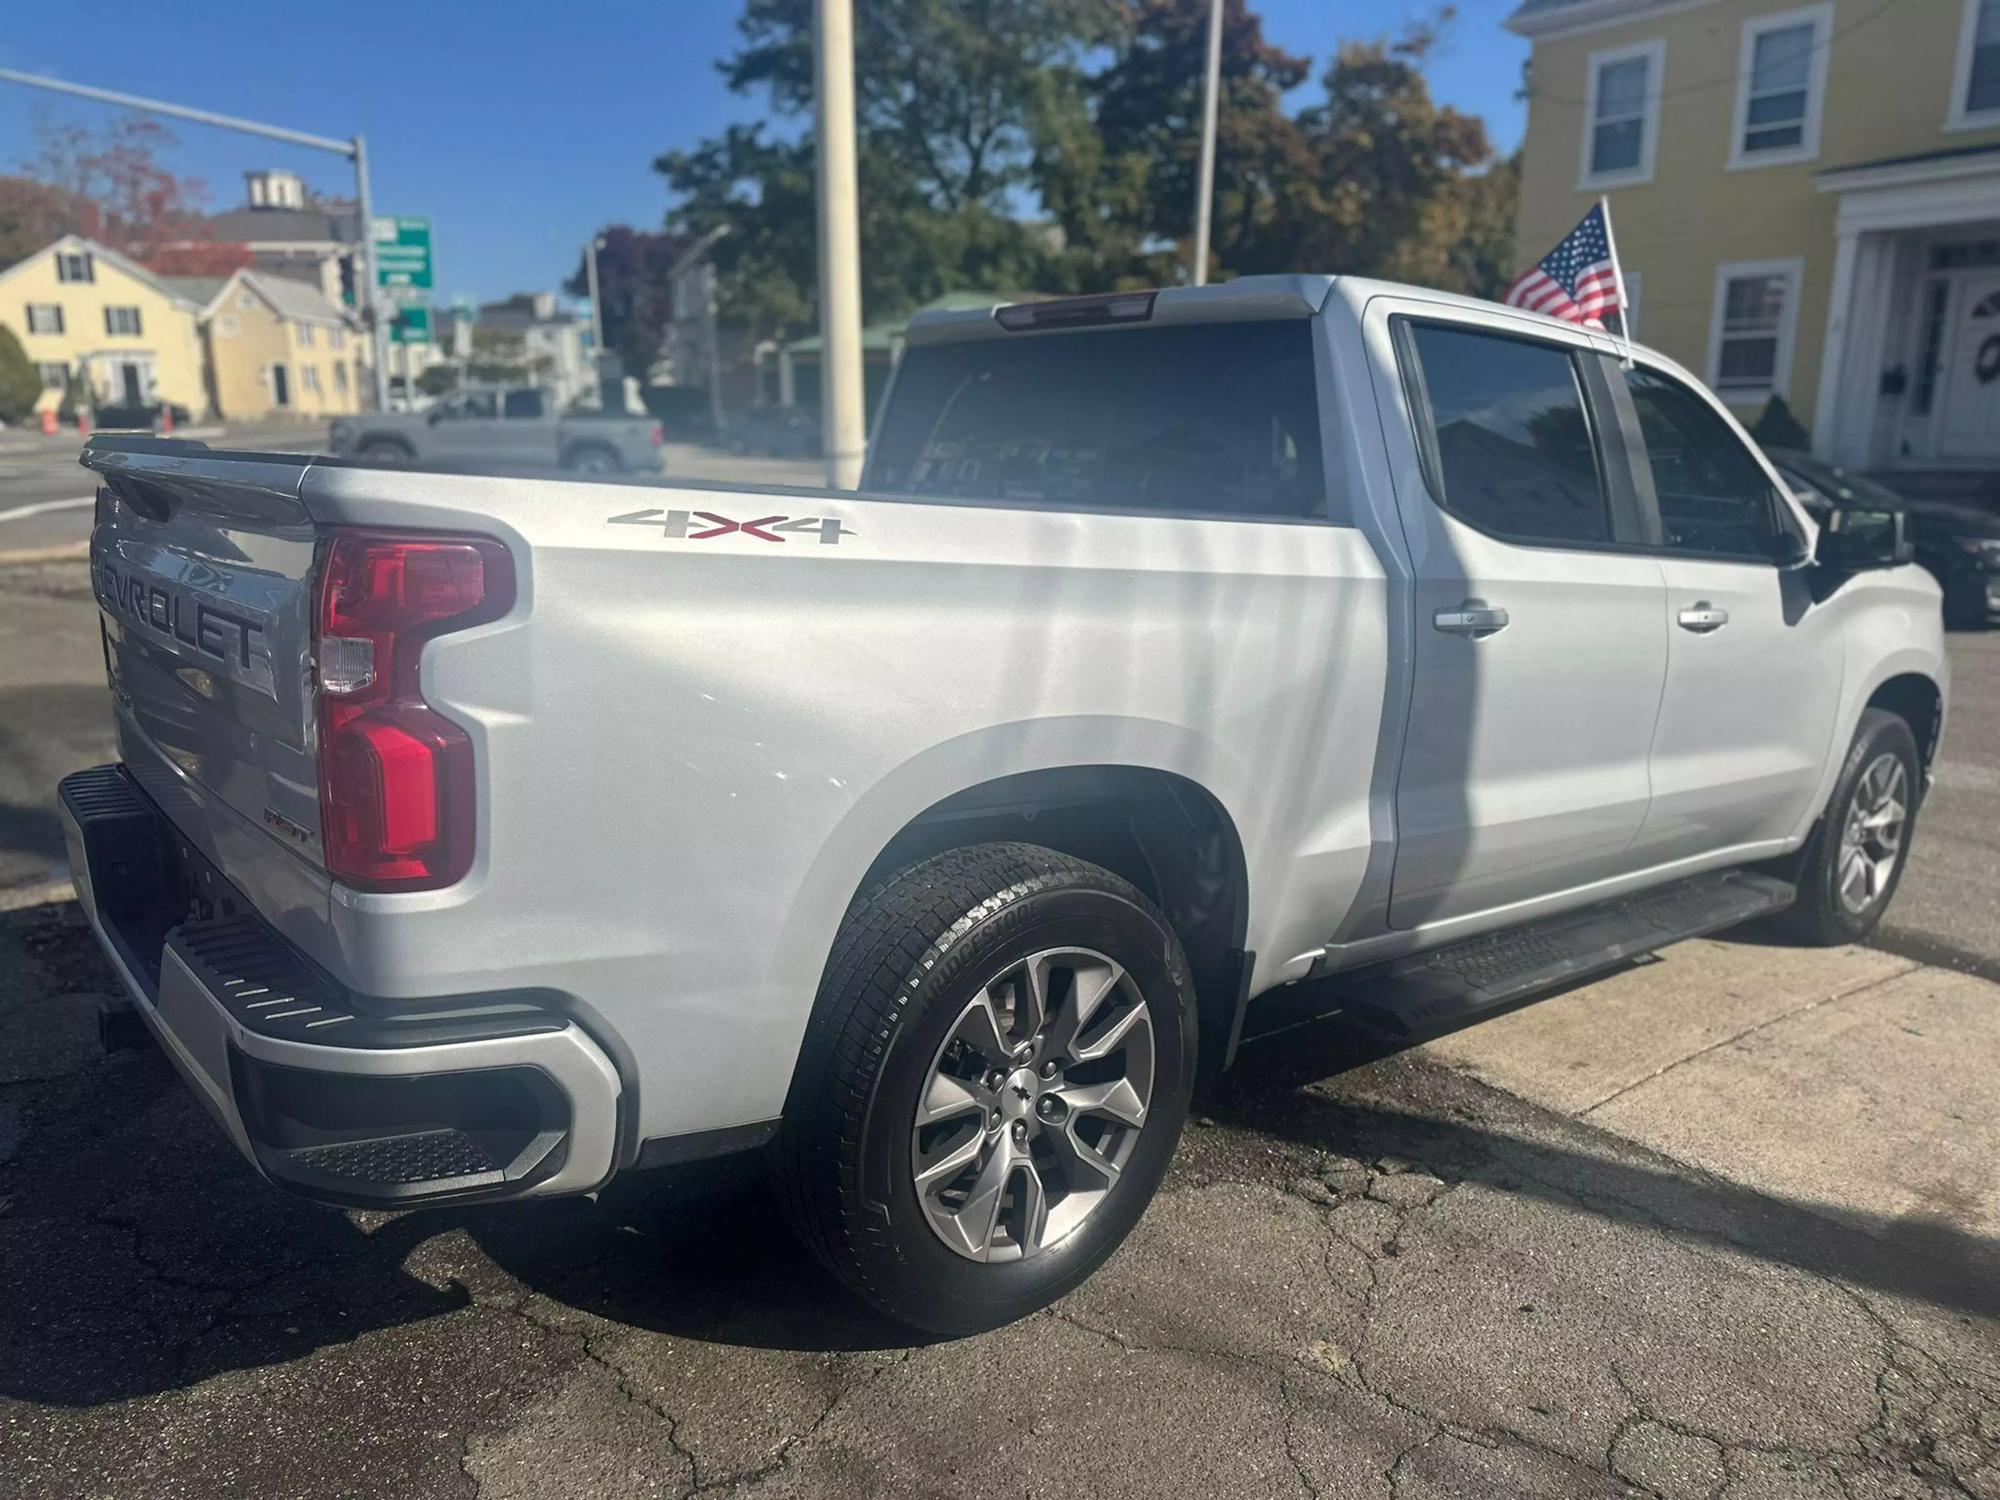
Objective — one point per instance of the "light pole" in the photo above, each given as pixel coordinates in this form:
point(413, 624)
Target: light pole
point(843, 433)
point(355, 150)
point(596, 309)
point(1204, 193)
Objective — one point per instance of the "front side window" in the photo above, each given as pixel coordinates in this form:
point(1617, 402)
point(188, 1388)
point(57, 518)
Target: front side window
point(45, 317)
point(1777, 106)
point(1977, 94)
point(1751, 356)
point(1218, 419)
point(1714, 497)
point(75, 265)
point(1509, 435)
point(1621, 130)
point(123, 321)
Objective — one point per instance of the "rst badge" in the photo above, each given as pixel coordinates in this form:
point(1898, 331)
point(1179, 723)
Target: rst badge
point(706, 525)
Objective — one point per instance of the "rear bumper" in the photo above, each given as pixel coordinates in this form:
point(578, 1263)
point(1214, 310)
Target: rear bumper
point(333, 1094)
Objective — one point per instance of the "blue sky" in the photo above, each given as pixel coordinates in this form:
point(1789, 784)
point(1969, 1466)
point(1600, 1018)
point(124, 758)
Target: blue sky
point(518, 133)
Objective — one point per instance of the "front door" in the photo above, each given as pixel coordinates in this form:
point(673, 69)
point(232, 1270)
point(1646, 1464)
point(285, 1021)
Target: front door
point(1538, 638)
point(281, 386)
point(1754, 665)
point(1972, 379)
point(129, 381)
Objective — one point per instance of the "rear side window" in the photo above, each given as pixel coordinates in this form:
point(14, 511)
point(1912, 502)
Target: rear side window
point(522, 404)
point(1206, 418)
point(1714, 498)
point(1509, 437)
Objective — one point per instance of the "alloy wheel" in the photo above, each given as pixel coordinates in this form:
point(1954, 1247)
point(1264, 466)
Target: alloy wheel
point(1871, 839)
point(1033, 1104)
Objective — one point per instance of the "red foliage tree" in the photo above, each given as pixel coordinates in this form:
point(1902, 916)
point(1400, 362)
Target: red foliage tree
point(119, 194)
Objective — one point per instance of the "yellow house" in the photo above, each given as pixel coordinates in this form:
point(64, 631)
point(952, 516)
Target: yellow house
point(80, 308)
point(1805, 198)
point(277, 347)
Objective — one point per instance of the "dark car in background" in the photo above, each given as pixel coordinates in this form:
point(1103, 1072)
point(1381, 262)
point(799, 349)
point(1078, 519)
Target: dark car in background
point(1960, 544)
point(148, 416)
point(776, 432)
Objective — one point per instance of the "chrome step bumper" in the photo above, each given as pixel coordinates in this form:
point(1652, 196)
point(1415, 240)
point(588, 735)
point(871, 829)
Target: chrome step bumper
point(336, 1095)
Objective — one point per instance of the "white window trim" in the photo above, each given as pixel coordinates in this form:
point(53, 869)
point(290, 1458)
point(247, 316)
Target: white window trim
point(1655, 54)
point(1958, 117)
point(61, 322)
point(1821, 18)
point(1793, 271)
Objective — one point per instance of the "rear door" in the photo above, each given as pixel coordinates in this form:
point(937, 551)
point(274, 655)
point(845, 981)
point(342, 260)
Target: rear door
point(1753, 664)
point(1539, 643)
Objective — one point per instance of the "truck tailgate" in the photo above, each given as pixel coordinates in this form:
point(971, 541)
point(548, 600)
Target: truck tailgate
point(202, 567)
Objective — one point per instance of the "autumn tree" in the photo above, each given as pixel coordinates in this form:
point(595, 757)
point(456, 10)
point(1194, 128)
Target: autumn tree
point(109, 185)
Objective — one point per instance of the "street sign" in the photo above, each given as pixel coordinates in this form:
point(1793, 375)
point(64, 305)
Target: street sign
point(410, 325)
point(402, 254)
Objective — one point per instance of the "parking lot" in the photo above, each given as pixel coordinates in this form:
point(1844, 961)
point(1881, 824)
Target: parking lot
point(1724, 1223)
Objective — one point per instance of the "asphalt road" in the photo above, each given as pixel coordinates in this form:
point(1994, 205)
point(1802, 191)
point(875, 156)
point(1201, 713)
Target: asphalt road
point(1724, 1224)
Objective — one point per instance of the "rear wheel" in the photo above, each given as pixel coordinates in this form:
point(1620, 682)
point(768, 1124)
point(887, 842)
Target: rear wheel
point(1855, 859)
point(996, 1075)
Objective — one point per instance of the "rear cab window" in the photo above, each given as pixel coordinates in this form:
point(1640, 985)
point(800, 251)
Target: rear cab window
point(1201, 418)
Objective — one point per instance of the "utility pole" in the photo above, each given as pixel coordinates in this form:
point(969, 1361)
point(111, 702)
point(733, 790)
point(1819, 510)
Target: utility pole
point(355, 150)
point(844, 436)
point(596, 321)
point(1204, 193)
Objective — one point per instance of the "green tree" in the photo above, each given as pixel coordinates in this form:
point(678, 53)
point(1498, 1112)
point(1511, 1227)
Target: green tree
point(20, 382)
point(952, 97)
point(1129, 195)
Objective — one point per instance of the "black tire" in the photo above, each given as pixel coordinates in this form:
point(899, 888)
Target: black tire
point(1819, 917)
point(910, 953)
point(592, 458)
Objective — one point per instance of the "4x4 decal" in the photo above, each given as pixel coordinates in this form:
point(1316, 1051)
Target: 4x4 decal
point(705, 525)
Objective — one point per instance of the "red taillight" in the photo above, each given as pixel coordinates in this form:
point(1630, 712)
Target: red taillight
point(659, 436)
point(395, 776)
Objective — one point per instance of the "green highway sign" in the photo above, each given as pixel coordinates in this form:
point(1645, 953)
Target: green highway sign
point(402, 254)
point(410, 324)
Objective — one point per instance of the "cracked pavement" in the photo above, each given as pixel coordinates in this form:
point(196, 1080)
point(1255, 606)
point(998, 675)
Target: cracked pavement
point(1366, 1275)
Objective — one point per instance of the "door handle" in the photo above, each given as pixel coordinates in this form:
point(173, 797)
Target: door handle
point(1703, 618)
point(1472, 618)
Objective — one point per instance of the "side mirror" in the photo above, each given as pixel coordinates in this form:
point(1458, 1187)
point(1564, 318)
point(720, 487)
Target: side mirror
point(1852, 541)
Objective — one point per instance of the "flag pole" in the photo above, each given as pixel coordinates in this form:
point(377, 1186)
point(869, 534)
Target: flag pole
point(1617, 280)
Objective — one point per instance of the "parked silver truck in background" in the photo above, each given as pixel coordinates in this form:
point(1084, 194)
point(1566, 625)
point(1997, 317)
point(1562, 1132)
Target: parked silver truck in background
point(481, 838)
point(503, 430)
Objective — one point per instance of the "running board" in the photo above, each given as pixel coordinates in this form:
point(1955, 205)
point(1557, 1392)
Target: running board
point(1429, 991)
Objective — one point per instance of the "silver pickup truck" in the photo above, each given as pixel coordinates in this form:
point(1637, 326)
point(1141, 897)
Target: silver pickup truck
point(1190, 663)
point(502, 430)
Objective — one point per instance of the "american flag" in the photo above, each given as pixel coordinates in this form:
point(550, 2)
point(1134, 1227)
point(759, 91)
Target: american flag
point(1577, 280)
